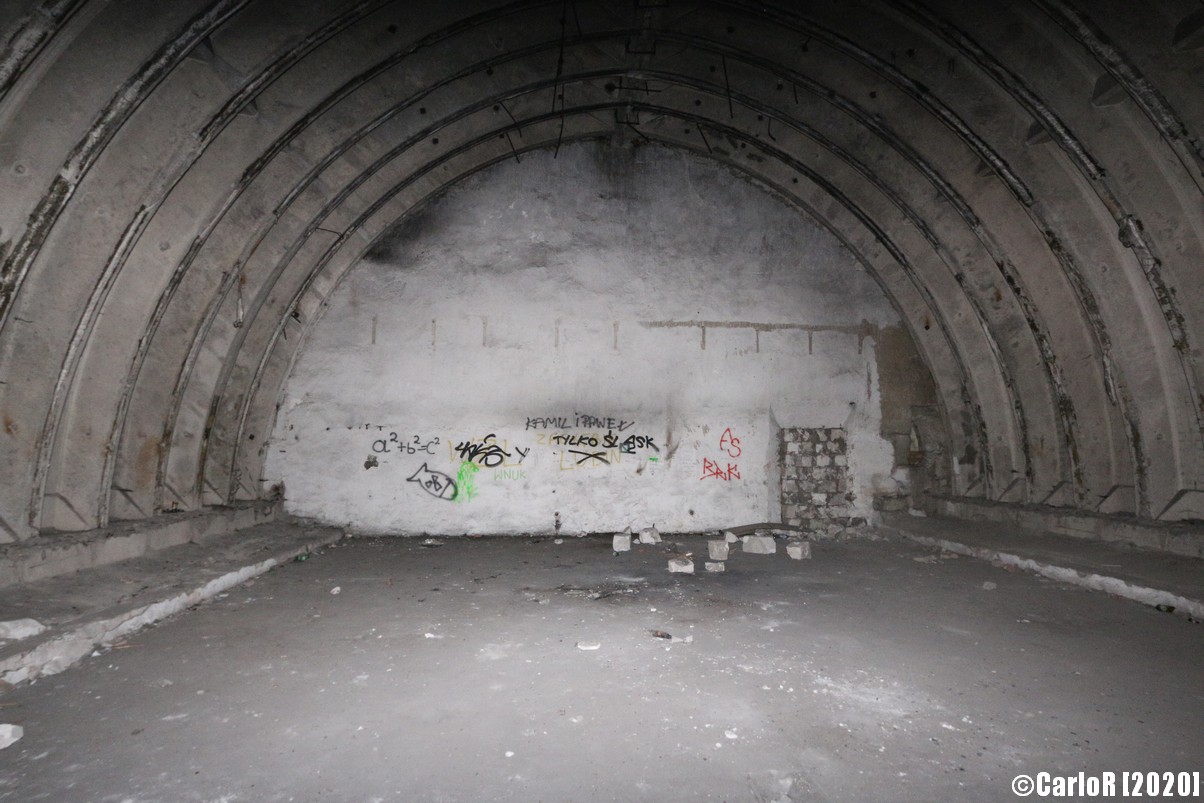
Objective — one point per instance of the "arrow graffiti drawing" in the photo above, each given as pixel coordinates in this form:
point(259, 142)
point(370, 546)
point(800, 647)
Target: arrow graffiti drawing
point(434, 483)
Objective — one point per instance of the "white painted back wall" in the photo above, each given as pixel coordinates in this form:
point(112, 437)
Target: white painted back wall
point(605, 338)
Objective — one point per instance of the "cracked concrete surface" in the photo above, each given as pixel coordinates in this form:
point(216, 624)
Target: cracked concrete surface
point(877, 670)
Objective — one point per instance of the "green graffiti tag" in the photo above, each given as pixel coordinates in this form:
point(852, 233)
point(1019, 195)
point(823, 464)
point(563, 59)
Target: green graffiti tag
point(466, 481)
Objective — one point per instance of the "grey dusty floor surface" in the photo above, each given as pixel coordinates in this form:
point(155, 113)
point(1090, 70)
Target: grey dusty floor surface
point(870, 672)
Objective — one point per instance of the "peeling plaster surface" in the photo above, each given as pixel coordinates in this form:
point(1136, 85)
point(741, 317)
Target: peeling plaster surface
point(631, 328)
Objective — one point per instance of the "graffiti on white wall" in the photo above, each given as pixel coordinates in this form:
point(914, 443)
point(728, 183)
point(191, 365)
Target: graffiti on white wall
point(572, 446)
point(435, 483)
point(722, 468)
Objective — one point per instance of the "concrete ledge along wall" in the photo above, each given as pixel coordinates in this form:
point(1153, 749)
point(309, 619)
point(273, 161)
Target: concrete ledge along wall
point(579, 342)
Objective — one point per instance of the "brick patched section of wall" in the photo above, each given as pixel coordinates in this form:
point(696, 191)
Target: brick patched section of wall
point(815, 476)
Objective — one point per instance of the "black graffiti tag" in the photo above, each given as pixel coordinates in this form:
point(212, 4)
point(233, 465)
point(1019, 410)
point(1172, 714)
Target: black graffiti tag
point(633, 442)
point(381, 445)
point(599, 457)
point(547, 422)
point(486, 453)
point(575, 440)
point(435, 483)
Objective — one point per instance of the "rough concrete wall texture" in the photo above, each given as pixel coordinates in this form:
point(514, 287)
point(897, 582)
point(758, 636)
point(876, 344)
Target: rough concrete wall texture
point(586, 340)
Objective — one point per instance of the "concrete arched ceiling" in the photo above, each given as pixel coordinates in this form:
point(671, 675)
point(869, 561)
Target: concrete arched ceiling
point(185, 182)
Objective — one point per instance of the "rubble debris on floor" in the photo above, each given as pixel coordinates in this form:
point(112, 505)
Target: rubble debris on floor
point(649, 535)
point(681, 565)
point(760, 544)
point(837, 681)
point(10, 735)
point(758, 538)
point(798, 549)
point(661, 634)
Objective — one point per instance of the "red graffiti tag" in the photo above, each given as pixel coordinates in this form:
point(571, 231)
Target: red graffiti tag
point(712, 470)
point(730, 443)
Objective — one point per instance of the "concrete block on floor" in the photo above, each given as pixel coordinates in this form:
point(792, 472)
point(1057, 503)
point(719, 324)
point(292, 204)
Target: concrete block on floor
point(760, 544)
point(649, 535)
point(799, 550)
point(718, 549)
point(716, 566)
point(681, 566)
point(9, 734)
point(622, 542)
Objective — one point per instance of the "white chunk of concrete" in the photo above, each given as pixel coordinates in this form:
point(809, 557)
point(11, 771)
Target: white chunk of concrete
point(649, 535)
point(799, 550)
point(622, 542)
point(9, 734)
point(760, 544)
point(730, 537)
point(16, 629)
point(717, 566)
point(681, 565)
point(717, 549)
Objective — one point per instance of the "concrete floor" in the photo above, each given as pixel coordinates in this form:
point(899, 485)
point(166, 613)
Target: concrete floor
point(876, 671)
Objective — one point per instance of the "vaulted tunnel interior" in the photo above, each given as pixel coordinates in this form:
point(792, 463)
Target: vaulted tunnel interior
point(183, 194)
point(562, 267)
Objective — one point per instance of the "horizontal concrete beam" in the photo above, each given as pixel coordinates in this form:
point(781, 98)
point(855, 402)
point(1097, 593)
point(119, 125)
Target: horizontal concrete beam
point(1174, 538)
point(109, 613)
point(1116, 586)
point(49, 555)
